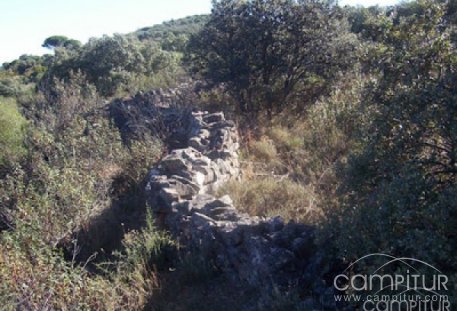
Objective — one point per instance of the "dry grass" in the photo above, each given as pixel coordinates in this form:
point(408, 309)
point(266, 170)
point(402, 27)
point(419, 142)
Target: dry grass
point(290, 169)
point(270, 197)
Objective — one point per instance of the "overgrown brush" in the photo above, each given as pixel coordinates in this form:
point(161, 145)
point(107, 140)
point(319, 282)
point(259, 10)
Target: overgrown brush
point(74, 167)
point(290, 169)
point(35, 275)
point(12, 132)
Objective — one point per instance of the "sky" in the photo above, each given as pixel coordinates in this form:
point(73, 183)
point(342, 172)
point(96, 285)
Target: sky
point(25, 24)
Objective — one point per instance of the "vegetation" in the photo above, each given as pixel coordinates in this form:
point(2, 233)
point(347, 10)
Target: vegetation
point(12, 131)
point(74, 230)
point(60, 41)
point(172, 35)
point(404, 168)
point(273, 54)
point(375, 150)
point(348, 119)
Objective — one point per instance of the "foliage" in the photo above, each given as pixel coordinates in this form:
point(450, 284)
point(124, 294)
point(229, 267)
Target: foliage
point(348, 117)
point(172, 35)
point(9, 87)
point(396, 191)
point(12, 132)
point(59, 42)
point(114, 64)
point(36, 277)
point(25, 69)
point(272, 54)
point(291, 167)
point(75, 168)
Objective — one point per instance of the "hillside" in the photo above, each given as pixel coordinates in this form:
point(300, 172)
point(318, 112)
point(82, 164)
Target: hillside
point(273, 155)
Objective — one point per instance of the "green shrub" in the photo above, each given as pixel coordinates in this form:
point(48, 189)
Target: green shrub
point(36, 277)
point(76, 169)
point(12, 131)
point(69, 181)
point(397, 189)
point(8, 87)
point(272, 55)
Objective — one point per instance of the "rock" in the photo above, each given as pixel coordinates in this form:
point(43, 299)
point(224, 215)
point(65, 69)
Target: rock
point(201, 220)
point(173, 165)
point(165, 199)
point(223, 201)
point(214, 117)
point(200, 179)
point(221, 209)
point(186, 181)
point(206, 173)
point(301, 247)
point(262, 252)
point(185, 190)
point(232, 236)
point(201, 199)
point(276, 224)
point(205, 134)
point(281, 258)
point(184, 207)
point(280, 239)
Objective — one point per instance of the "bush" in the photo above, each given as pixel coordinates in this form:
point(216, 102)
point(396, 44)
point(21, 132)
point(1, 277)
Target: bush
point(273, 55)
point(77, 169)
point(12, 132)
point(118, 65)
point(396, 189)
point(36, 277)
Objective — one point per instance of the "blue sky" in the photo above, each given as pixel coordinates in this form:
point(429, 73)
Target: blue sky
point(24, 24)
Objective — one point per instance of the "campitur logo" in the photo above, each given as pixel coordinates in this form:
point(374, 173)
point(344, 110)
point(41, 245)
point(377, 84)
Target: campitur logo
point(395, 284)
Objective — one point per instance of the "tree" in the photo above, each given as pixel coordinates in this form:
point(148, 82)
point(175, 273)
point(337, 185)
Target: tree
point(108, 61)
point(270, 53)
point(60, 41)
point(399, 188)
point(54, 41)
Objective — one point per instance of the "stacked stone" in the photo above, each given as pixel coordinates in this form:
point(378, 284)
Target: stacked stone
point(181, 192)
point(210, 160)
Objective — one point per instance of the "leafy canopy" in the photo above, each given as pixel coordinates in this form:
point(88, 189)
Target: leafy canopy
point(272, 54)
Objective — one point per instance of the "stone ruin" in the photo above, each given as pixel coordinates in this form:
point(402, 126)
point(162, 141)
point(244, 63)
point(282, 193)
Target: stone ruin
point(181, 191)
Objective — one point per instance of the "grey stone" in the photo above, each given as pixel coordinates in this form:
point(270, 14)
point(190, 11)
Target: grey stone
point(186, 181)
point(301, 247)
point(173, 165)
point(185, 191)
point(223, 201)
point(276, 224)
point(281, 258)
point(208, 173)
point(256, 250)
point(214, 117)
point(184, 207)
point(201, 220)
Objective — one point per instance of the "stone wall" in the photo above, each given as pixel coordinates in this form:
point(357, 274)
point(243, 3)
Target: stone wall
point(181, 193)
